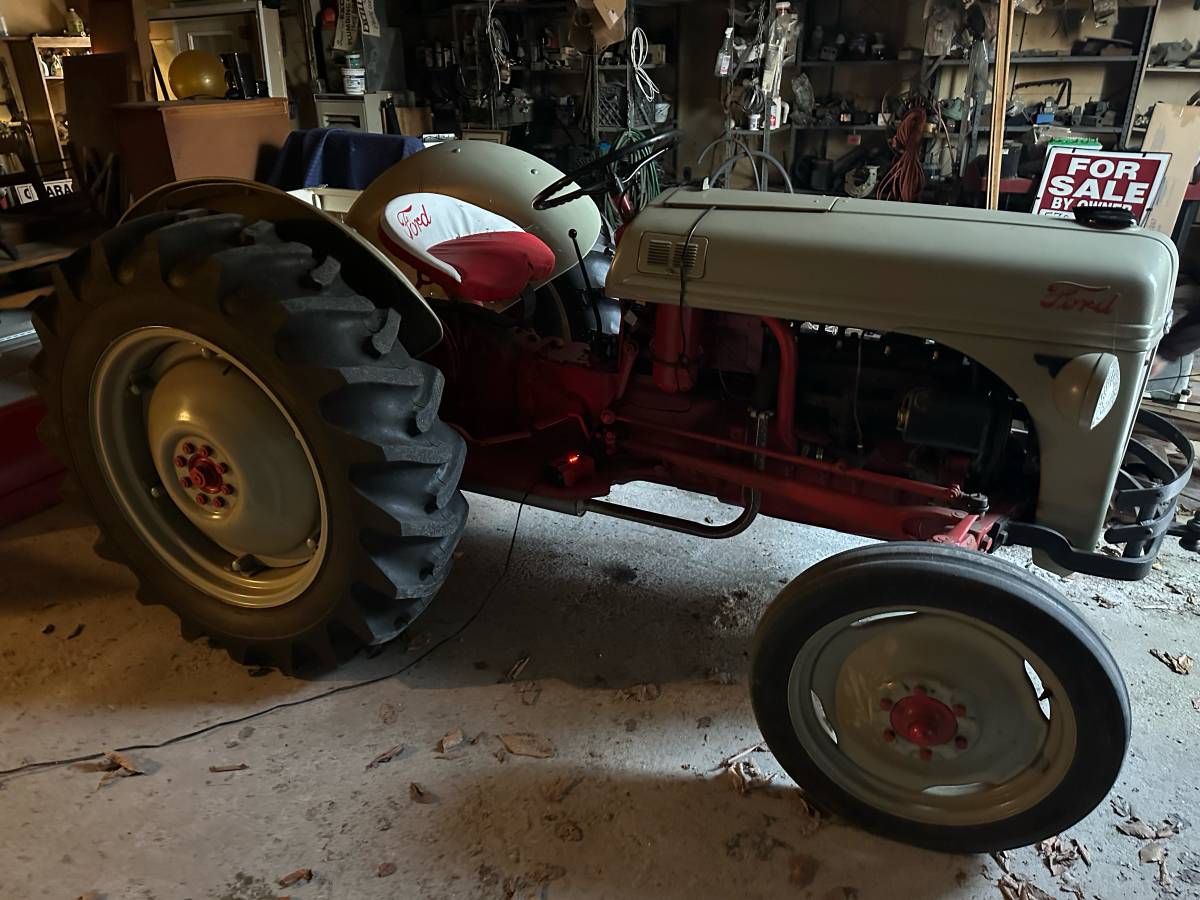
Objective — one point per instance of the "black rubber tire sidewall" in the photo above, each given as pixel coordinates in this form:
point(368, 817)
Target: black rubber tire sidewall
point(969, 583)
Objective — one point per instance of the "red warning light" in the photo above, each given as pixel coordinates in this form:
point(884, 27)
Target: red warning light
point(572, 468)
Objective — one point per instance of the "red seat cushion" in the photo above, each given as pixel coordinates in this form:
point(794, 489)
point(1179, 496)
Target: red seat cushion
point(494, 267)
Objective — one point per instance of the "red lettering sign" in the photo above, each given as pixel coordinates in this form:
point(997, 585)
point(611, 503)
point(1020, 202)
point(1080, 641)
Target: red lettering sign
point(1080, 176)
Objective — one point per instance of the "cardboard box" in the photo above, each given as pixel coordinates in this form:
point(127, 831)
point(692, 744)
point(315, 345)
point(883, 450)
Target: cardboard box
point(414, 120)
point(607, 20)
point(1175, 130)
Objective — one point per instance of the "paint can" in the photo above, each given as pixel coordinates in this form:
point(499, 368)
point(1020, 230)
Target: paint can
point(354, 81)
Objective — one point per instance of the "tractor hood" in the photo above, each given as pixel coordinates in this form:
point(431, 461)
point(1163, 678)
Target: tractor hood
point(900, 267)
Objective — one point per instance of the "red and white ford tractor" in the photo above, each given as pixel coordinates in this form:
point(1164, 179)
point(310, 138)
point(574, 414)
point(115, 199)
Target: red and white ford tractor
point(270, 412)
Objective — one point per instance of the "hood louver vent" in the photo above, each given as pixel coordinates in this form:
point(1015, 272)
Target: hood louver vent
point(658, 254)
point(685, 256)
point(665, 255)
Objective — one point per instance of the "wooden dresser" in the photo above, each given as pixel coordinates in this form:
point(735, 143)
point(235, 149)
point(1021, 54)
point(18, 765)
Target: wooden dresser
point(161, 142)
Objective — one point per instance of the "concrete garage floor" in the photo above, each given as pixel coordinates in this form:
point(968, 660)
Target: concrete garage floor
point(598, 608)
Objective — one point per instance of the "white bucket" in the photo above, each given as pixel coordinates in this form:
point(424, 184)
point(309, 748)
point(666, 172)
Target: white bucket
point(354, 81)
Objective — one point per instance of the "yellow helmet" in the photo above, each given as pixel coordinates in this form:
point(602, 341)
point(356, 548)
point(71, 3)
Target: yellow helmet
point(197, 73)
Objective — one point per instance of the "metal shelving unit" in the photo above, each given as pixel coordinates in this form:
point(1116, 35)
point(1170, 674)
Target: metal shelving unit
point(1168, 20)
point(1137, 30)
point(477, 66)
point(1135, 61)
point(523, 24)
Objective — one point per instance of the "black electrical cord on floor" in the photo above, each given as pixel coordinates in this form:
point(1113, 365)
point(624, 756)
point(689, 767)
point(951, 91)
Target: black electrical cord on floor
point(341, 689)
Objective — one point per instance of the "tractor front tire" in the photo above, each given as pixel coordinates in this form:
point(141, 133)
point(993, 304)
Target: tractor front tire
point(939, 697)
point(250, 435)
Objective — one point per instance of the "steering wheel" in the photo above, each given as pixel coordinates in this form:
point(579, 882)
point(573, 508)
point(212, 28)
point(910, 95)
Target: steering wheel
point(603, 174)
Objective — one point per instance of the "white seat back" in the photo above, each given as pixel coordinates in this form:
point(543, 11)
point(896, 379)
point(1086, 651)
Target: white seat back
point(416, 222)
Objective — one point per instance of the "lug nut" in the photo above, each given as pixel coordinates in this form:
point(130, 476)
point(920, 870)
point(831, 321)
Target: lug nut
point(889, 735)
point(189, 448)
point(925, 754)
point(185, 482)
point(206, 450)
point(960, 742)
point(885, 704)
point(180, 462)
point(227, 489)
point(222, 468)
point(201, 499)
point(958, 709)
point(218, 502)
point(919, 690)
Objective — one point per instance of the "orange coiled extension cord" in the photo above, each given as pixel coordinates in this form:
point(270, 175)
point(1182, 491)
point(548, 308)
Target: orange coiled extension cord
point(905, 179)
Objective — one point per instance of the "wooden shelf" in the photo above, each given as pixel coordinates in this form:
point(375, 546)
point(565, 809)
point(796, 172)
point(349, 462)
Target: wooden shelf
point(204, 11)
point(571, 70)
point(823, 63)
point(832, 126)
point(51, 42)
point(757, 132)
point(1063, 60)
point(41, 95)
point(1078, 129)
point(612, 129)
point(34, 254)
point(838, 126)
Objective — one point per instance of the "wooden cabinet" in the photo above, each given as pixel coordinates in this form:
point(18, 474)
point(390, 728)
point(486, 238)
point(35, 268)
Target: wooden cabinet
point(161, 142)
point(42, 96)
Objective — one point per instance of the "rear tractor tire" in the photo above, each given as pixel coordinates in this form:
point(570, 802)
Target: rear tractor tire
point(939, 697)
point(250, 436)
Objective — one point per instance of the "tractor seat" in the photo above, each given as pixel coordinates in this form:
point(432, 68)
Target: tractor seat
point(470, 252)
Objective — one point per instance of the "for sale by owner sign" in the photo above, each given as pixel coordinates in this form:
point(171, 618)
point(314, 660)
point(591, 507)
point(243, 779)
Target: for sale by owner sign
point(1080, 176)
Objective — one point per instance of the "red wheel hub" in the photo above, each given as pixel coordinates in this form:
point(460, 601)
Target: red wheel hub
point(923, 721)
point(205, 474)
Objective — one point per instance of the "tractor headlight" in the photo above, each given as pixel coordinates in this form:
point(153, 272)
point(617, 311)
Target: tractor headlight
point(1086, 388)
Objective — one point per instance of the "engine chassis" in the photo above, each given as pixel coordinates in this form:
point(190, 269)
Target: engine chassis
point(597, 417)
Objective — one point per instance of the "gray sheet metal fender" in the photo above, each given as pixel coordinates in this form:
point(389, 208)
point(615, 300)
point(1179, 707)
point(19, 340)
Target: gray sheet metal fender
point(496, 177)
point(365, 268)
